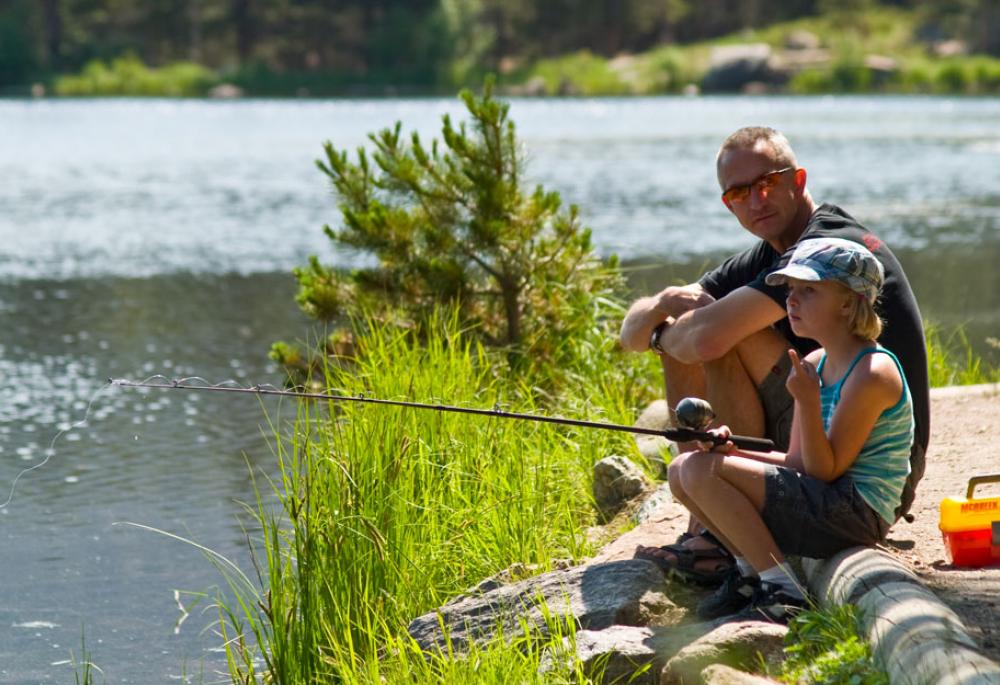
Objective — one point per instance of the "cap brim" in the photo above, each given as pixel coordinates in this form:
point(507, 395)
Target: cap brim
point(799, 271)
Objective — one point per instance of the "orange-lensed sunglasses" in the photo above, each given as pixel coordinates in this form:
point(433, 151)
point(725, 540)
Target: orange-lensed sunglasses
point(762, 184)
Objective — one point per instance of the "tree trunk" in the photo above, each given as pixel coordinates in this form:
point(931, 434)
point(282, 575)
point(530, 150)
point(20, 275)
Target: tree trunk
point(53, 33)
point(243, 21)
point(512, 309)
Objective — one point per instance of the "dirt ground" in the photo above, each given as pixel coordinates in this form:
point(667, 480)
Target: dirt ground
point(964, 421)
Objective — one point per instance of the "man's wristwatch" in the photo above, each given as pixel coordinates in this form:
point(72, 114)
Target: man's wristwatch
point(654, 337)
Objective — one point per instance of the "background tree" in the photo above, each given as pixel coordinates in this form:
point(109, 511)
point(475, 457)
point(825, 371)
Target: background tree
point(450, 224)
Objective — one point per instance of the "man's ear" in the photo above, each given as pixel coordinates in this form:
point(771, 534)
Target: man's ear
point(728, 204)
point(800, 180)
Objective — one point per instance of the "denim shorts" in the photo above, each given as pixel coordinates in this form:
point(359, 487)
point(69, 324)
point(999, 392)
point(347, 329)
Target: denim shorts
point(810, 518)
point(778, 404)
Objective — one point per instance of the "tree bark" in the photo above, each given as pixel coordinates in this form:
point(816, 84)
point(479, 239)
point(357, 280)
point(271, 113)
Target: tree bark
point(243, 21)
point(53, 33)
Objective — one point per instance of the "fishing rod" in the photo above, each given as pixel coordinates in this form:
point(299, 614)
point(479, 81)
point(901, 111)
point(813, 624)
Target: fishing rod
point(693, 412)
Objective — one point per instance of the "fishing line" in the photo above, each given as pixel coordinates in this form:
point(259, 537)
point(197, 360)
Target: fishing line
point(51, 450)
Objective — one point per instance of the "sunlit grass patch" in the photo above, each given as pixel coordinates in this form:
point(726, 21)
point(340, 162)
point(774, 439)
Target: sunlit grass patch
point(952, 361)
point(822, 646)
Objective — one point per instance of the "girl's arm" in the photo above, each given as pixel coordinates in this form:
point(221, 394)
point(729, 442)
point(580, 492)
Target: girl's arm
point(808, 441)
point(793, 459)
point(873, 386)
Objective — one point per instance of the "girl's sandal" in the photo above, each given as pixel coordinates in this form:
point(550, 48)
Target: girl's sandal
point(682, 562)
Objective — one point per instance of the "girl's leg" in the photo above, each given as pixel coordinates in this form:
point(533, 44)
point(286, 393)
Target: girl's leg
point(727, 494)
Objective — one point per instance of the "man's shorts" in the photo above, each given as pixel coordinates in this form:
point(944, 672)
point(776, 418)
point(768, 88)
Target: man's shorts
point(811, 518)
point(778, 404)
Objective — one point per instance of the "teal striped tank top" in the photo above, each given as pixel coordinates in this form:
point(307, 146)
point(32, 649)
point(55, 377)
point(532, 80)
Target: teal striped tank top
point(883, 464)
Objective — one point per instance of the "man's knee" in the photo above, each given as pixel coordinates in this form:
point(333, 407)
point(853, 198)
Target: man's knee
point(761, 352)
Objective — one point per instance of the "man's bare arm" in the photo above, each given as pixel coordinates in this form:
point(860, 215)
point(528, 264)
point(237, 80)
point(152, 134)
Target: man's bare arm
point(648, 312)
point(709, 332)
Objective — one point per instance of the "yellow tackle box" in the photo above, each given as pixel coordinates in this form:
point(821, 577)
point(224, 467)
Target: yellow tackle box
point(971, 527)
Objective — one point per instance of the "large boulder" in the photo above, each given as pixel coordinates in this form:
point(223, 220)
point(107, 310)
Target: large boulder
point(738, 645)
point(593, 596)
point(632, 654)
point(617, 481)
point(719, 674)
point(656, 449)
point(733, 68)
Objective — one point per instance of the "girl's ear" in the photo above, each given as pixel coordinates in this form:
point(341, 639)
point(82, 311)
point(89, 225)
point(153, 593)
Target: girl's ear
point(849, 303)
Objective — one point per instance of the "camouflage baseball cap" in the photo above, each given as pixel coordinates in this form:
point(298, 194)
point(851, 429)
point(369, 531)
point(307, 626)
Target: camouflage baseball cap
point(833, 259)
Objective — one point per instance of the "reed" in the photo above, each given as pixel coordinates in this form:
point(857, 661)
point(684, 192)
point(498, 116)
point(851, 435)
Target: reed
point(951, 359)
point(385, 513)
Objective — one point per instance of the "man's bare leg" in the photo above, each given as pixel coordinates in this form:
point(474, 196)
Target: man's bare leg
point(680, 381)
point(730, 386)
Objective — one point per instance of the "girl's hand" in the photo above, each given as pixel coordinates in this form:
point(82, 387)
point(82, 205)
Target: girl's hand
point(722, 432)
point(803, 381)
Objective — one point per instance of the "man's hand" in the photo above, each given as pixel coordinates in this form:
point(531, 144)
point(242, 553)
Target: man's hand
point(648, 312)
point(803, 381)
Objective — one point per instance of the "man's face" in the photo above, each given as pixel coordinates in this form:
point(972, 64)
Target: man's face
point(769, 209)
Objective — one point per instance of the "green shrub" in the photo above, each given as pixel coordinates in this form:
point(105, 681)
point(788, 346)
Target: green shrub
point(967, 75)
point(823, 647)
point(811, 82)
point(915, 78)
point(952, 77)
point(667, 70)
point(451, 224)
point(128, 76)
point(579, 73)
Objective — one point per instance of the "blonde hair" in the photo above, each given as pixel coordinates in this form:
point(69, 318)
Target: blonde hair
point(862, 319)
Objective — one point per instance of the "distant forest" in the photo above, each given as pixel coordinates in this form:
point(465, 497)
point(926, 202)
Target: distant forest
point(417, 44)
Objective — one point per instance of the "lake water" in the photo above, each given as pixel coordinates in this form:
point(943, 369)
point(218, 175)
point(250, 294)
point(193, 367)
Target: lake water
point(146, 237)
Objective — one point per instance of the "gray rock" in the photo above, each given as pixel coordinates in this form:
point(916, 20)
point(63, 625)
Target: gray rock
point(731, 644)
point(225, 91)
point(655, 503)
point(732, 67)
point(802, 40)
point(535, 87)
point(719, 674)
point(593, 596)
point(616, 481)
point(618, 653)
point(656, 449)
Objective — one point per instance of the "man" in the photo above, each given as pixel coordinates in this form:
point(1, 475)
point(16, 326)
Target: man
point(725, 338)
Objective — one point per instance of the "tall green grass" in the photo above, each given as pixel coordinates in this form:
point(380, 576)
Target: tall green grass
point(386, 513)
point(952, 361)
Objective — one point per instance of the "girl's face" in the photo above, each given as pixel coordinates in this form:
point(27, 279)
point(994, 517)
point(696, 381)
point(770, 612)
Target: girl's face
point(815, 307)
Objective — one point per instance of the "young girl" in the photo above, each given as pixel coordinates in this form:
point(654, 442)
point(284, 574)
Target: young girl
point(848, 457)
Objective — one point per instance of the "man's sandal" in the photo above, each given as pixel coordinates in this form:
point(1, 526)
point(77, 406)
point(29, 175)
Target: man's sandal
point(683, 564)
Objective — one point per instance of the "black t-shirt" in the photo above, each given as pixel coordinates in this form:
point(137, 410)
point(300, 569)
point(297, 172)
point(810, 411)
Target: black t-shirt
point(903, 333)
